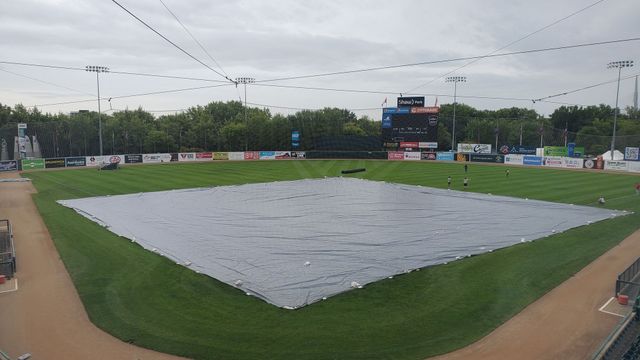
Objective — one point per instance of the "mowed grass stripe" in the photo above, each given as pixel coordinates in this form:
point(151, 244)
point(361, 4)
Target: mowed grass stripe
point(148, 300)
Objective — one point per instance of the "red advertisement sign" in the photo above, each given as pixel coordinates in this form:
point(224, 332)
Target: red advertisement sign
point(395, 155)
point(204, 155)
point(251, 155)
point(409, 144)
point(425, 110)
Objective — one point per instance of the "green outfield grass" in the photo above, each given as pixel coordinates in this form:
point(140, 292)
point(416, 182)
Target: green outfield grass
point(145, 299)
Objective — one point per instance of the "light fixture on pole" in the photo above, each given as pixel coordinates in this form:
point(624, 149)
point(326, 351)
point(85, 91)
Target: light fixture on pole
point(455, 80)
point(617, 65)
point(98, 70)
point(245, 81)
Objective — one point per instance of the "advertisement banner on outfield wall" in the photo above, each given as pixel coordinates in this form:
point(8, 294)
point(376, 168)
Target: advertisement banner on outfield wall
point(517, 150)
point(204, 156)
point(156, 158)
point(428, 156)
point(133, 159)
point(251, 155)
point(32, 164)
point(633, 166)
point(283, 155)
point(236, 156)
point(186, 156)
point(114, 159)
point(267, 155)
point(428, 145)
point(572, 163)
point(532, 160)
point(553, 161)
point(395, 155)
point(632, 154)
point(175, 157)
point(10, 165)
point(514, 159)
point(94, 160)
point(75, 161)
point(411, 155)
point(220, 156)
point(298, 154)
point(445, 156)
point(462, 157)
point(488, 158)
point(615, 165)
point(54, 163)
point(474, 148)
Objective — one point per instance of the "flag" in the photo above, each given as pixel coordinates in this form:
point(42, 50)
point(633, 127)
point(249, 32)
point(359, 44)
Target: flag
point(384, 102)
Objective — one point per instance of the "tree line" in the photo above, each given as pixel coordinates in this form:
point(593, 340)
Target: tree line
point(224, 126)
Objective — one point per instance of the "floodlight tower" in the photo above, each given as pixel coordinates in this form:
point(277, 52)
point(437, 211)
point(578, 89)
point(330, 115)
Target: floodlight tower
point(455, 80)
point(98, 70)
point(245, 81)
point(617, 65)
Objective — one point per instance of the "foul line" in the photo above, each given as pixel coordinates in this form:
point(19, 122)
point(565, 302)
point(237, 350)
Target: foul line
point(7, 291)
point(609, 312)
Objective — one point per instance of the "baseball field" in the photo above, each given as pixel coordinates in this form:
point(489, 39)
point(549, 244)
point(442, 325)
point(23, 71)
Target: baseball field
point(148, 300)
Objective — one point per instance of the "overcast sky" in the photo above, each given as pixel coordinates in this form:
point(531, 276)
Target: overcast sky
point(280, 38)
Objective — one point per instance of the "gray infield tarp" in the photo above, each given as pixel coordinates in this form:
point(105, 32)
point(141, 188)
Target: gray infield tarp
point(292, 243)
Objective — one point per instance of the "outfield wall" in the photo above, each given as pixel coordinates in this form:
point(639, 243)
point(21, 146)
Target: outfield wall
point(160, 158)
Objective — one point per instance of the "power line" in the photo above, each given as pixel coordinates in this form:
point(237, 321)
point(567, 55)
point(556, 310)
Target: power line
point(387, 67)
point(43, 66)
point(509, 44)
point(584, 88)
point(46, 82)
point(171, 42)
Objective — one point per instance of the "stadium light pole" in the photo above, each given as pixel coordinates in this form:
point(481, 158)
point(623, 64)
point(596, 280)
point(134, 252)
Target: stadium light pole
point(455, 80)
point(617, 65)
point(98, 70)
point(245, 81)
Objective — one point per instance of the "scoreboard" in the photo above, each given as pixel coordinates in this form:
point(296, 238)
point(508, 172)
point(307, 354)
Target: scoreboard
point(410, 126)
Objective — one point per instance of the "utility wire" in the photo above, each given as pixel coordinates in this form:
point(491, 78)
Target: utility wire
point(509, 44)
point(431, 62)
point(47, 82)
point(584, 88)
point(171, 42)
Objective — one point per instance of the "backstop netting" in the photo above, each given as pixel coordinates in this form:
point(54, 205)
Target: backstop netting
point(7, 250)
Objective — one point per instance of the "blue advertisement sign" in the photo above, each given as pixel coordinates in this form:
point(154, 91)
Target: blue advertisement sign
point(386, 121)
point(444, 156)
point(295, 138)
point(402, 110)
point(532, 160)
point(571, 147)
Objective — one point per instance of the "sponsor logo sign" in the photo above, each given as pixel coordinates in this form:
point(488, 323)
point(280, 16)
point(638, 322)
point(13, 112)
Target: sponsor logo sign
point(75, 161)
point(413, 101)
point(133, 159)
point(220, 156)
point(428, 145)
point(445, 156)
point(514, 159)
point(186, 156)
point(490, 158)
point(428, 156)
point(553, 161)
point(462, 157)
point(54, 163)
point(10, 165)
point(174, 157)
point(425, 110)
point(572, 163)
point(204, 156)
point(590, 163)
point(409, 144)
point(474, 148)
point(396, 110)
point(386, 121)
point(281, 155)
point(114, 159)
point(517, 149)
point(267, 155)
point(411, 155)
point(395, 155)
point(532, 160)
point(32, 164)
point(251, 155)
point(156, 158)
point(632, 153)
point(93, 160)
point(298, 154)
point(236, 156)
point(615, 165)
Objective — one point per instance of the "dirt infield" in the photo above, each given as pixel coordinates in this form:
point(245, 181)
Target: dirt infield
point(45, 317)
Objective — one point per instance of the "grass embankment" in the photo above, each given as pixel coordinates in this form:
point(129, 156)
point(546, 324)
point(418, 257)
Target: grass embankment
point(148, 300)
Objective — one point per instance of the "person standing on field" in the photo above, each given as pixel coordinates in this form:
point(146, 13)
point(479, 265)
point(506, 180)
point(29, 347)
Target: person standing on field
point(507, 172)
point(465, 182)
point(449, 182)
point(466, 167)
